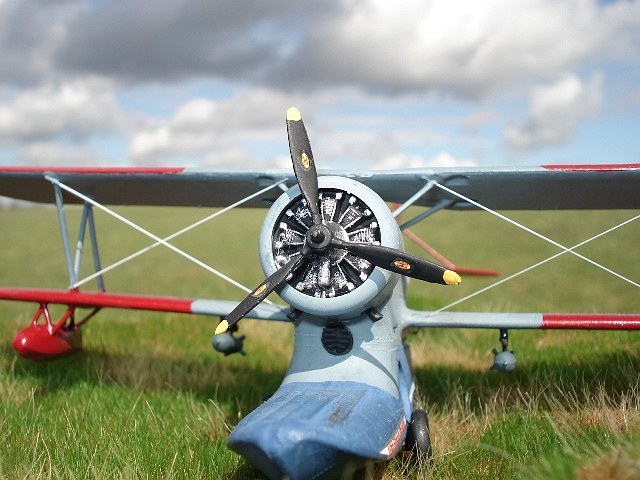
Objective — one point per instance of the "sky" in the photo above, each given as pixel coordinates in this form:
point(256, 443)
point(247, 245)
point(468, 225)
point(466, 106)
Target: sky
point(380, 84)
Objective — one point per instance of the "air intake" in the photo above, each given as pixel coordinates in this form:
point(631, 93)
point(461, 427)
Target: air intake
point(337, 338)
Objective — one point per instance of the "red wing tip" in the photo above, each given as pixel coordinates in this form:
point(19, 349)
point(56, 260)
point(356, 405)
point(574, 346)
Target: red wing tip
point(94, 170)
point(591, 321)
point(613, 167)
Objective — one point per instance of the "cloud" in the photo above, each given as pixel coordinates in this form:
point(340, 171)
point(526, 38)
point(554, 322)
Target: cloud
point(169, 40)
point(31, 32)
point(76, 110)
point(402, 160)
point(477, 120)
point(201, 82)
point(468, 49)
point(53, 154)
point(634, 97)
point(556, 112)
point(214, 129)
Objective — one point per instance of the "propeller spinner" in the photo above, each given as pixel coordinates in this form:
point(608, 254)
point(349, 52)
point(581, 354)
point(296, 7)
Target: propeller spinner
point(326, 242)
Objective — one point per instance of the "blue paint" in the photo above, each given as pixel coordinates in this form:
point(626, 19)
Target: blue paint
point(406, 384)
point(312, 430)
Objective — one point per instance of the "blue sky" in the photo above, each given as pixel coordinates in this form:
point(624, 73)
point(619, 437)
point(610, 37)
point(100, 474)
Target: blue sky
point(380, 84)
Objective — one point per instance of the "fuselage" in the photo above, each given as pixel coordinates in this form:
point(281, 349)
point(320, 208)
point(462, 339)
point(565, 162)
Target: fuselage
point(346, 399)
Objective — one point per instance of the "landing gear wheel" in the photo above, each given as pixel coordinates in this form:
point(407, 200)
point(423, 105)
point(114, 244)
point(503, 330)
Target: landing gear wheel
point(418, 440)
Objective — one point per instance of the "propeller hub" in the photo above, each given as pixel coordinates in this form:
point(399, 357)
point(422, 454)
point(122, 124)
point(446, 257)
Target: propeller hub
point(319, 238)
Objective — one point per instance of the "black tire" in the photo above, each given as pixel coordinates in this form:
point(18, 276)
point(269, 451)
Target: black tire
point(418, 440)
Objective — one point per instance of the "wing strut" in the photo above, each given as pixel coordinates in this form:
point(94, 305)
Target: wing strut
point(280, 184)
point(74, 264)
point(444, 203)
point(43, 339)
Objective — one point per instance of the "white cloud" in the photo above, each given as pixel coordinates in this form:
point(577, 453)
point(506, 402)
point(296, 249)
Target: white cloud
point(236, 156)
point(207, 128)
point(556, 111)
point(475, 121)
point(454, 46)
point(53, 154)
point(468, 48)
point(401, 160)
point(74, 109)
point(445, 159)
point(374, 79)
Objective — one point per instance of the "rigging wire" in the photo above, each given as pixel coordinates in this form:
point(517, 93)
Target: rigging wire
point(174, 235)
point(164, 241)
point(542, 262)
point(537, 234)
point(158, 240)
point(527, 269)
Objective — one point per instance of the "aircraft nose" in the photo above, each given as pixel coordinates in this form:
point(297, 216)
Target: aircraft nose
point(306, 430)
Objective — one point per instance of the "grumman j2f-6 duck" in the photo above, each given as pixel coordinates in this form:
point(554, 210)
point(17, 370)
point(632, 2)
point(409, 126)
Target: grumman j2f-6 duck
point(332, 249)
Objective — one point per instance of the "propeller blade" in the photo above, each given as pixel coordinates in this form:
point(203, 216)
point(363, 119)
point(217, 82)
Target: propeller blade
point(259, 294)
point(399, 262)
point(303, 164)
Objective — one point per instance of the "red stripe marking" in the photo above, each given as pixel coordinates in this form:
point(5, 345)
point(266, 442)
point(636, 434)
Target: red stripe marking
point(594, 321)
point(104, 299)
point(394, 443)
point(94, 170)
point(595, 168)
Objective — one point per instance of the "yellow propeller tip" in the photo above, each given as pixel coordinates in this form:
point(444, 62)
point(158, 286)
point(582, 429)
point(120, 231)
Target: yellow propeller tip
point(293, 114)
point(222, 327)
point(451, 278)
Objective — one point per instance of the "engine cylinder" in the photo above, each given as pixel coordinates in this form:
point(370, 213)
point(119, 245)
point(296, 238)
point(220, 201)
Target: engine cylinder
point(334, 284)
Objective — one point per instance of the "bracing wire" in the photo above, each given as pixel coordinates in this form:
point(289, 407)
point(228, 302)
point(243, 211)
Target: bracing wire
point(172, 236)
point(537, 234)
point(542, 262)
point(527, 269)
point(158, 240)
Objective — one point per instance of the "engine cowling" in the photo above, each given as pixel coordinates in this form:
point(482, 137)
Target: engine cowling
point(335, 283)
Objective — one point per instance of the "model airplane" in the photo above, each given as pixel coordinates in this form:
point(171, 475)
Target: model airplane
point(332, 249)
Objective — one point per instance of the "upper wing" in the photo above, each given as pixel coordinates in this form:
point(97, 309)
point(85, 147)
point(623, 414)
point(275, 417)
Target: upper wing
point(538, 188)
point(180, 187)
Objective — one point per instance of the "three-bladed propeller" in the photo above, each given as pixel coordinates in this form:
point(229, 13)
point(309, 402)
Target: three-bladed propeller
point(320, 239)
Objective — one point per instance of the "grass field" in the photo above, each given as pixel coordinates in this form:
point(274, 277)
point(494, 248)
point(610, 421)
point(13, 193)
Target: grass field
point(149, 398)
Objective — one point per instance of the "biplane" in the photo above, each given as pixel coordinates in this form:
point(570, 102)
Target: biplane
point(332, 249)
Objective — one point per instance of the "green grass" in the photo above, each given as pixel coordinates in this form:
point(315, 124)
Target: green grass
point(149, 398)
